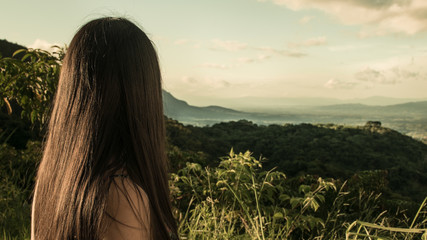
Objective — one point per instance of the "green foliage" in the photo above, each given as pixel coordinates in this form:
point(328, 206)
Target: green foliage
point(238, 200)
point(30, 82)
point(17, 130)
point(327, 150)
point(17, 171)
point(179, 158)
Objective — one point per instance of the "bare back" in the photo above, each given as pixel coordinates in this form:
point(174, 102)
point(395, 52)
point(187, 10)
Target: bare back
point(129, 211)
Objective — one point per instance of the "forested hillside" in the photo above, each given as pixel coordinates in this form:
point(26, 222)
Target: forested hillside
point(408, 118)
point(326, 150)
point(7, 48)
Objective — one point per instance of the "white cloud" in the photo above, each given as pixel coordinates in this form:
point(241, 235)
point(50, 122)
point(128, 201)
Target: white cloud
point(348, 47)
point(317, 41)
point(306, 19)
point(181, 41)
point(206, 82)
point(43, 44)
point(339, 84)
point(282, 52)
point(237, 63)
point(186, 41)
point(188, 80)
point(374, 76)
point(247, 60)
point(381, 16)
point(262, 53)
point(392, 75)
point(401, 70)
point(218, 66)
point(233, 46)
point(260, 58)
point(405, 74)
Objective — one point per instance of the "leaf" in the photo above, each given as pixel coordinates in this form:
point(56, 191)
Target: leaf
point(295, 202)
point(33, 116)
point(231, 152)
point(278, 215)
point(18, 52)
point(320, 197)
point(314, 205)
point(8, 107)
point(304, 188)
point(284, 197)
point(26, 56)
point(24, 100)
point(221, 182)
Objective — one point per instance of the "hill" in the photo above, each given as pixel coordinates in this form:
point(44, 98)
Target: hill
point(181, 110)
point(280, 104)
point(187, 114)
point(412, 108)
point(408, 118)
point(7, 48)
point(326, 150)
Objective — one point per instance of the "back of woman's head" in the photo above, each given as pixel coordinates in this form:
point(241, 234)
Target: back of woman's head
point(107, 117)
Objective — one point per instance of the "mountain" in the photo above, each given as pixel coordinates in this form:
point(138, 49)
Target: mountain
point(202, 116)
point(409, 108)
point(185, 113)
point(408, 118)
point(7, 48)
point(275, 105)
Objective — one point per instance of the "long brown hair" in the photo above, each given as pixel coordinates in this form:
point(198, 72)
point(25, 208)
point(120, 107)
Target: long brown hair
point(107, 116)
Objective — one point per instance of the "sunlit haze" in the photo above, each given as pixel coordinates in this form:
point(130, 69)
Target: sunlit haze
point(213, 52)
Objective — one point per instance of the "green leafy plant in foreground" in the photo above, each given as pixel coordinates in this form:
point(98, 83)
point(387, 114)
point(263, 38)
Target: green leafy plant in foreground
point(30, 82)
point(237, 200)
point(365, 230)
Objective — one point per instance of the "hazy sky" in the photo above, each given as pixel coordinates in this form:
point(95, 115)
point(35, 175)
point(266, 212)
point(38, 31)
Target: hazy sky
point(218, 49)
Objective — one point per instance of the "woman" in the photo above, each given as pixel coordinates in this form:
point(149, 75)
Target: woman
point(104, 171)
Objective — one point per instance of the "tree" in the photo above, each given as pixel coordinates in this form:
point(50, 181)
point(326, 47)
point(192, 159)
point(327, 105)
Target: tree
point(28, 84)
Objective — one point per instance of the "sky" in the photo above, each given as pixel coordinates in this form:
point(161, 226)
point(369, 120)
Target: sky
point(218, 50)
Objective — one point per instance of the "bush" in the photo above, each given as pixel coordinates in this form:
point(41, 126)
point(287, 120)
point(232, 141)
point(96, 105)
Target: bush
point(238, 200)
point(18, 169)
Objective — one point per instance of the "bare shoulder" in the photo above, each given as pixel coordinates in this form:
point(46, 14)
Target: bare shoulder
point(129, 211)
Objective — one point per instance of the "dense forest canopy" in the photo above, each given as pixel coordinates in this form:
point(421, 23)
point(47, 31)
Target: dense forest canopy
point(326, 150)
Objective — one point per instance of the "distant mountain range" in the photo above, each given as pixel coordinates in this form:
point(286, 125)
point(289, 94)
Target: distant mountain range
point(183, 112)
point(409, 108)
point(275, 105)
point(408, 118)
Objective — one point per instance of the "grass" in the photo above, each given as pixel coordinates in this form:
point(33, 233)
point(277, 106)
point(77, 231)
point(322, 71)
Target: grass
point(239, 200)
